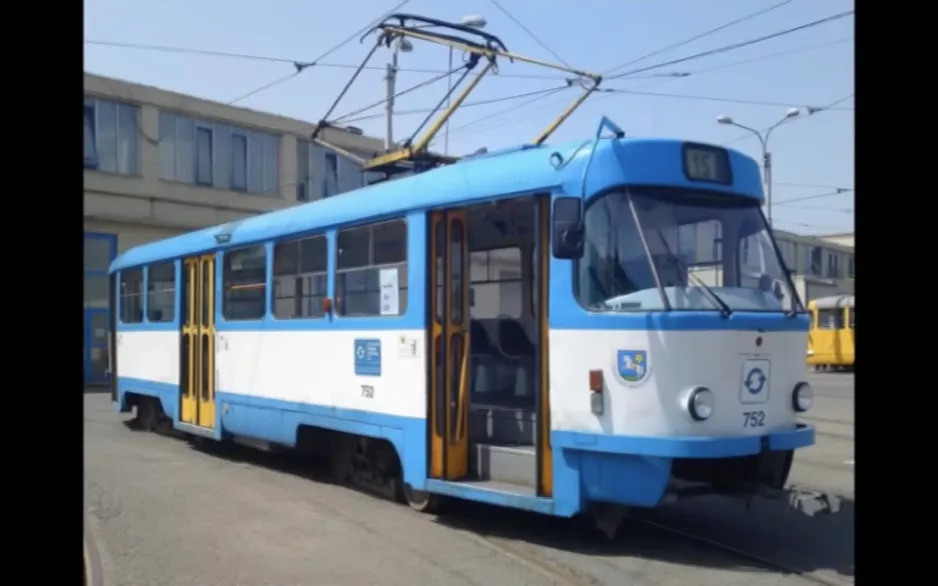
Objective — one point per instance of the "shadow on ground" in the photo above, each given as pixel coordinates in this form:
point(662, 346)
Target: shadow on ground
point(823, 543)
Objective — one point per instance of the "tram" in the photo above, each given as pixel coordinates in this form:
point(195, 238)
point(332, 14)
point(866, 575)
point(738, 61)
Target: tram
point(831, 338)
point(563, 329)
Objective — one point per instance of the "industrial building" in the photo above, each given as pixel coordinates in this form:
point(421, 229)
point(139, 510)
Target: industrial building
point(820, 265)
point(159, 163)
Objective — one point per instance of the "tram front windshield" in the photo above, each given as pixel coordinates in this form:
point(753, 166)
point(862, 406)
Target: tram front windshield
point(649, 249)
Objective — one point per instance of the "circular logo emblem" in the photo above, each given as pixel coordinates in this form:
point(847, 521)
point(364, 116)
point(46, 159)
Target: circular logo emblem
point(755, 381)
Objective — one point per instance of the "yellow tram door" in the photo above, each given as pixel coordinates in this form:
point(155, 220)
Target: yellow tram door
point(449, 345)
point(198, 343)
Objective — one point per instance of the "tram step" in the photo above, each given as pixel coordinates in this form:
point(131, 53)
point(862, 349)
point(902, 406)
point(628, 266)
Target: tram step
point(511, 464)
point(504, 487)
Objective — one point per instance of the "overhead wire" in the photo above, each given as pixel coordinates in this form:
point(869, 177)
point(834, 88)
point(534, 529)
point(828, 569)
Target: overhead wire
point(301, 67)
point(720, 50)
point(698, 37)
point(711, 98)
point(543, 45)
point(288, 61)
point(811, 185)
point(811, 197)
point(739, 45)
point(464, 105)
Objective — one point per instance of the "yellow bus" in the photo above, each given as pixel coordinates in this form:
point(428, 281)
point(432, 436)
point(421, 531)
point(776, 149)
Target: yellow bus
point(831, 338)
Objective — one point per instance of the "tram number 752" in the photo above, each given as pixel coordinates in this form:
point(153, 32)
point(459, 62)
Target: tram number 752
point(754, 419)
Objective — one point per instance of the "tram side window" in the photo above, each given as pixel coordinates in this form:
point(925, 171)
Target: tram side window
point(161, 292)
point(131, 296)
point(852, 312)
point(830, 319)
point(300, 278)
point(245, 283)
point(371, 270)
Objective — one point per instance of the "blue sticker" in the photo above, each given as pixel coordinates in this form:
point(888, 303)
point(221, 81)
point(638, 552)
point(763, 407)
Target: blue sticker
point(368, 357)
point(632, 364)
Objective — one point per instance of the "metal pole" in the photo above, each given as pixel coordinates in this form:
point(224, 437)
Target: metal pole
point(449, 90)
point(391, 78)
point(767, 172)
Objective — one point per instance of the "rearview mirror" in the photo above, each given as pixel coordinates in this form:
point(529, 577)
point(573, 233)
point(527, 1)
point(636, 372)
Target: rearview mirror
point(567, 228)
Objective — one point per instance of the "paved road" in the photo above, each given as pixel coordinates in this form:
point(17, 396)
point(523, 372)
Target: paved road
point(163, 512)
point(829, 463)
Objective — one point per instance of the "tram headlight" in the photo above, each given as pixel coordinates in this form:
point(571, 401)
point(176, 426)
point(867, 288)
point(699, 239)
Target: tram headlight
point(700, 402)
point(802, 398)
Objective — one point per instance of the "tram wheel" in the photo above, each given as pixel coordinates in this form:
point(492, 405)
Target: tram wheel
point(148, 412)
point(421, 501)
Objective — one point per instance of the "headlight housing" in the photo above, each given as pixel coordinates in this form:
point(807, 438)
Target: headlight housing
point(700, 403)
point(802, 398)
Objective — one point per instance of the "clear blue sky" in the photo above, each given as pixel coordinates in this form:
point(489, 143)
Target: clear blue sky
point(595, 35)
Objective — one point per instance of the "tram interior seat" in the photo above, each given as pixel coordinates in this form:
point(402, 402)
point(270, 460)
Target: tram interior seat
point(502, 365)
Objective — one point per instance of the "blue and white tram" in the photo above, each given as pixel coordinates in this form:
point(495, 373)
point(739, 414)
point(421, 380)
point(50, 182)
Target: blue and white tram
point(548, 328)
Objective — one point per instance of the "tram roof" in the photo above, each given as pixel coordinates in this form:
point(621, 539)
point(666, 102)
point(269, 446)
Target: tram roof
point(520, 170)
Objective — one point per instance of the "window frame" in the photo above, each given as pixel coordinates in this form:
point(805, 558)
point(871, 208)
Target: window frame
point(403, 287)
point(92, 105)
point(201, 129)
point(226, 288)
point(150, 291)
point(122, 296)
point(298, 275)
point(243, 137)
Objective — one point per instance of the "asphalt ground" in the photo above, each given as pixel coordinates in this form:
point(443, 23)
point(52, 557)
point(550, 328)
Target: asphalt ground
point(163, 511)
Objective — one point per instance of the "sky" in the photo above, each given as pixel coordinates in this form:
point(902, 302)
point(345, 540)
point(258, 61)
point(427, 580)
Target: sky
point(812, 155)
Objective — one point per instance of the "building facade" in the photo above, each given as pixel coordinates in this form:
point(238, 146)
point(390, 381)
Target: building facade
point(820, 265)
point(159, 163)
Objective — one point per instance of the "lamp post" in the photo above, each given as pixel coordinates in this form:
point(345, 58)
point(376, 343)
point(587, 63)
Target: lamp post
point(474, 21)
point(402, 45)
point(766, 155)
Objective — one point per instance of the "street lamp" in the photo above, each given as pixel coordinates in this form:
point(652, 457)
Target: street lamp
point(766, 155)
point(402, 45)
point(474, 21)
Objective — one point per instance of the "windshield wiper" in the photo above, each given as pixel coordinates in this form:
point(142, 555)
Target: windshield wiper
point(725, 309)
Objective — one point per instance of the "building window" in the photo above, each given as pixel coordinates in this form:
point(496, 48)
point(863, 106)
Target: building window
point(239, 162)
point(850, 268)
point(371, 269)
point(320, 174)
point(244, 277)
point(161, 292)
point(852, 319)
point(302, 170)
point(203, 156)
point(332, 175)
point(300, 278)
point(111, 131)
point(833, 268)
point(219, 155)
point(813, 256)
point(131, 293)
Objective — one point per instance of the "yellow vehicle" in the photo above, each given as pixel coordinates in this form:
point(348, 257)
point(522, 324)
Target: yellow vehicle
point(830, 340)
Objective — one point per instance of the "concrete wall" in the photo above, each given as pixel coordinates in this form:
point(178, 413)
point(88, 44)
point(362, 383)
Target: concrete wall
point(143, 207)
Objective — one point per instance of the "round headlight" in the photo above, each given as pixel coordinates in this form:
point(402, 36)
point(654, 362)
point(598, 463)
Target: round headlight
point(700, 404)
point(802, 398)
